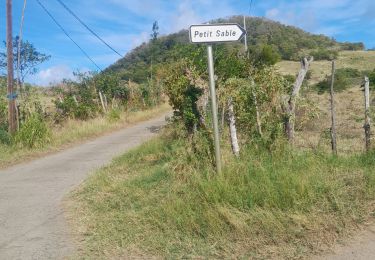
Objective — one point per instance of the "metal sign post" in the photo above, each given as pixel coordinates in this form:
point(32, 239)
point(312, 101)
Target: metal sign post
point(211, 33)
point(211, 72)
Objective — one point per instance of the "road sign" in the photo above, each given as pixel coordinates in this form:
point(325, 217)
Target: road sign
point(211, 33)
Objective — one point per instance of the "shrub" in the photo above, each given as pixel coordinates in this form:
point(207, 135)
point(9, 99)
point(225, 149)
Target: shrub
point(265, 55)
point(355, 46)
point(371, 77)
point(68, 108)
point(33, 133)
point(324, 54)
point(343, 79)
point(114, 115)
point(5, 138)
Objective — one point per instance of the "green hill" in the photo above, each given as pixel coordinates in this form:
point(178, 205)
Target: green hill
point(290, 42)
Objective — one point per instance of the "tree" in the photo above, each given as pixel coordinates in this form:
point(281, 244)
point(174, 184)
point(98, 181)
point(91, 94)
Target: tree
point(30, 58)
point(264, 55)
point(155, 31)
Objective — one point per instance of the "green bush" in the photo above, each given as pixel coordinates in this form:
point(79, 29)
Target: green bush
point(265, 55)
point(371, 77)
point(344, 78)
point(68, 108)
point(34, 133)
point(5, 138)
point(114, 115)
point(324, 54)
point(352, 46)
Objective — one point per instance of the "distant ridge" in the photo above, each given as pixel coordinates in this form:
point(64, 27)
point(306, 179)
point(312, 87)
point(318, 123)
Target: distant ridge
point(289, 41)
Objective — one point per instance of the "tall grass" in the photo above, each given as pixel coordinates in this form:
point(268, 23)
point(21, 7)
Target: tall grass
point(161, 200)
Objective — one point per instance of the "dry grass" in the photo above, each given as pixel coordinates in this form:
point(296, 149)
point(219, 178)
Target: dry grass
point(350, 121)
point(349, 105)
point(361, 60)
point(74, 132)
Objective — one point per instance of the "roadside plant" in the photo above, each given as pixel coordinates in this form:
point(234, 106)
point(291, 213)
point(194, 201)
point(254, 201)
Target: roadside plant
point(34, 133)
point(114, 115)
point(183, 93)
point(5, 138)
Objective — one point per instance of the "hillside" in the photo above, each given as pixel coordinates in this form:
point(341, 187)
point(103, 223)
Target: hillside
point(290, 42)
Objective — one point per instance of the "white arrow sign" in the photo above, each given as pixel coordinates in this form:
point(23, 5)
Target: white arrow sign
point(211, 33)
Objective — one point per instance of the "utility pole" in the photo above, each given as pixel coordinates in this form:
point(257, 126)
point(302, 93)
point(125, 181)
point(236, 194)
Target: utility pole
point(10, 76)
point(246, 46)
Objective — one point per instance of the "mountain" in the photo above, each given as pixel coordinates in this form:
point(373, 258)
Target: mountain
point(290, 42)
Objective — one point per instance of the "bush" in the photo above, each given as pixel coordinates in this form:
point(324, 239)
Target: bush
point(344, 78)
point(265, 55)
point(33, 133)
point(68, 108)
point(371, 77)
point(114, 115)
point(355, 46)
point(324, 54)
point(5, 138)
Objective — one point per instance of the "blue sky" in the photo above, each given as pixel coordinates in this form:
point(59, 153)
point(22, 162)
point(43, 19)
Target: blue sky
point(127, 23)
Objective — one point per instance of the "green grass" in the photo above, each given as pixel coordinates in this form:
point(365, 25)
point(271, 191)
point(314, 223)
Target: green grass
point(76, 131)
point(164, 201)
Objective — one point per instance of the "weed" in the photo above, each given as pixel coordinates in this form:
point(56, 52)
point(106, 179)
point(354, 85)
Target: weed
point(33, 133)
point(5, 138)
point(114, 115)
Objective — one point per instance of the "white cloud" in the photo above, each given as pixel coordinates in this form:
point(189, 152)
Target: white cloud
point(52, 75)
point(185, 16)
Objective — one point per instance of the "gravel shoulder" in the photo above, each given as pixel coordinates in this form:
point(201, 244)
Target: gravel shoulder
point(359, 247)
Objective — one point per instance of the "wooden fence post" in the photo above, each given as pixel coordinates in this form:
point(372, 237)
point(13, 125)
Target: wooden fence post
point(105, 101)
point(259, 120)
point(367, 125)
point(75, 100)
point(102, 101)
point(290, 107)
point(333, 112)
point(233, 129)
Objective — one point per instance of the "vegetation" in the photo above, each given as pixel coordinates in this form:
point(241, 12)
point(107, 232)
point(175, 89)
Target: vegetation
point(3, 105)
point(30, 58)
point(45, 116)
point(71, 132)
point(33, 133)
point(324, 54)
point(371, 76)
point(267, 39)
point(352, 46)
point(165, 200)
point(344, 78)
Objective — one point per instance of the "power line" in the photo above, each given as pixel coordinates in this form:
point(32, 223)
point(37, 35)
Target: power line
point(250, 6)
point(67, 34)
point(88, 28)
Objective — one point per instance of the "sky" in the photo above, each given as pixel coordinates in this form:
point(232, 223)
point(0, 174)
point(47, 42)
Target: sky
point(125, 24)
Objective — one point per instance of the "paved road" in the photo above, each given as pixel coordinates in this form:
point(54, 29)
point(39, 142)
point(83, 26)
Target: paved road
point(360, 247)
point(32, 224)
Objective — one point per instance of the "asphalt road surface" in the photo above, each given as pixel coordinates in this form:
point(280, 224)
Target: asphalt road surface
point(32, 223)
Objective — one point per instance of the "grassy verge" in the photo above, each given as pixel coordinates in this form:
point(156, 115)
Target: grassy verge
point(163, 201)
point(75, 131)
